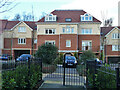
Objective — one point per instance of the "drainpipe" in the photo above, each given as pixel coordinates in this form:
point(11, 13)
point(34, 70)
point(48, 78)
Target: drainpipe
point(59, 39)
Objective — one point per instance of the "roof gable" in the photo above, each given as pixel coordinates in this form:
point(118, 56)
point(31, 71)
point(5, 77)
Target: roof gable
point(111, 31)
point(107, 30)
point(73, 14)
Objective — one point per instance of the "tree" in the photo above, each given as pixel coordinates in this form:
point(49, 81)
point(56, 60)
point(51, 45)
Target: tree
point(17, 17)
point(48, 53)
point(76, 55)
point(6, 5)
point(108, 22)
point(87, 55)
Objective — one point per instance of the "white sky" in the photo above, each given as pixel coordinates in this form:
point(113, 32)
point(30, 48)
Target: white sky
point(94, 7)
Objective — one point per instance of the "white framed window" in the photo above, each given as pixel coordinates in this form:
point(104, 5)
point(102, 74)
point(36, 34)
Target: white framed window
point(86, 45)
point(86, 31)
point(68, 29)
point(116, 36)
point(22, 29)
point(86, 17)
point(50, 17)
point(21, 41)
point(72, 30)
point(63, 29)
point(49, 31)
point(115, 47)
point(52, 42)
point(68, 43)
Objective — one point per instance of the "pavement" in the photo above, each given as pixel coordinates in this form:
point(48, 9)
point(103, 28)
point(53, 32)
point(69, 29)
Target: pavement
point(55, 80)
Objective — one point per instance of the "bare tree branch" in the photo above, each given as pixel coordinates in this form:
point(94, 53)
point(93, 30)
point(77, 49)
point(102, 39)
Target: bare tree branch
point(7, 5)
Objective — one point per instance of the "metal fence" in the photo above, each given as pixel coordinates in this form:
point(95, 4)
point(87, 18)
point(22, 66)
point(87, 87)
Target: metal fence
point(22, 74)
point(102, 76)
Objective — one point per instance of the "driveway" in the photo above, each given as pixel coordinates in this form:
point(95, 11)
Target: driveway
point(72, 78)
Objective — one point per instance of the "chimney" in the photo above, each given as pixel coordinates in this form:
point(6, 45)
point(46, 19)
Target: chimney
point(119, 13)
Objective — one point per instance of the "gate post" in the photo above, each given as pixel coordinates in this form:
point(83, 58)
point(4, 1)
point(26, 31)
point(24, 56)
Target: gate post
point(41, 66)
point(94, 67)
point(118, 77)
point(28, 72)
point(86, 74)
point(64, 71)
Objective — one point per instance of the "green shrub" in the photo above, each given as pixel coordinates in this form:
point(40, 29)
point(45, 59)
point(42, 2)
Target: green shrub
point(76, 55)
point(19, 78)
point(59, 59)
point(104, 78)
point(81, 70)
point(87, 55)
point(48, 53)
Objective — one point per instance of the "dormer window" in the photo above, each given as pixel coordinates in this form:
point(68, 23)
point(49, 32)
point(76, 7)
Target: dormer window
point(68, 19)
point(50, 17)
point(86, 17)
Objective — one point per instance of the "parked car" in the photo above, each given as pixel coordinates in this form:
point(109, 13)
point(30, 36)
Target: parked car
point(70, 61)
point(24, 57)
point(5, 57)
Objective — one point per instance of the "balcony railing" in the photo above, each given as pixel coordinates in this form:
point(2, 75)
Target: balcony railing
point(85, 48)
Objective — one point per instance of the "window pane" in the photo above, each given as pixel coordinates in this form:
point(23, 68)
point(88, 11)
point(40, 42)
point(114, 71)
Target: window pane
point(46, 31)
point(68, 29)
point(21, 40)
point(50, 31)
point(63, 30)
point(68, 43)
point(83, 18)
point(72, 30)
point(50, 18)
point(86, 18)
point(24, 40)
point(82, 31)
point(90, 18)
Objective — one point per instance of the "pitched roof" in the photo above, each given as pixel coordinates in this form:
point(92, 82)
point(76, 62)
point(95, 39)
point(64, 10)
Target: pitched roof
point(31, 24)
point(7, 25)
point(73, 14)
point(105, 30)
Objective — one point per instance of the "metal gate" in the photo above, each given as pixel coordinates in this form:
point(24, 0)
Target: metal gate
point(64, 75)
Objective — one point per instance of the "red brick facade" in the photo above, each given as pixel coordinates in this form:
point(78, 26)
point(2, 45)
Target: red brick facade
point(95, 41)
point(109, 51)
point(7, 45)
point(72, 37)
point(41, 39)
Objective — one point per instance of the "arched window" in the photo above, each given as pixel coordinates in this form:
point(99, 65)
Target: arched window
point(86, 17)
point(50, 17)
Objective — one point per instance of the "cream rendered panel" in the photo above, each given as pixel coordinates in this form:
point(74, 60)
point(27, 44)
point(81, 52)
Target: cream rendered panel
point(15, 34)
point(41, 28)
point(1, 43)
point(74, 26)
point(95, 28)
point(111, 41)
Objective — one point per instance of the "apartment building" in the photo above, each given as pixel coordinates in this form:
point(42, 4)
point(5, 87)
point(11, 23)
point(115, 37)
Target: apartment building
point(110, 41)
point(70, 30)
point(17, 37)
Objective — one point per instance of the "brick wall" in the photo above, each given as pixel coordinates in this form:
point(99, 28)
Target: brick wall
point(110, 52)
point(72, 37)
point(41, 39)
point(95, 41)
point(7, 43)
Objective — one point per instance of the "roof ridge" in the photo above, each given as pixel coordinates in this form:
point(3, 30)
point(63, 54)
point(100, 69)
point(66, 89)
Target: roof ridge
point(68, 10)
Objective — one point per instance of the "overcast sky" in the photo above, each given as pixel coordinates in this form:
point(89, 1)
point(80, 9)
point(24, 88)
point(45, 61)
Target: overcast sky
point(94, 7)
